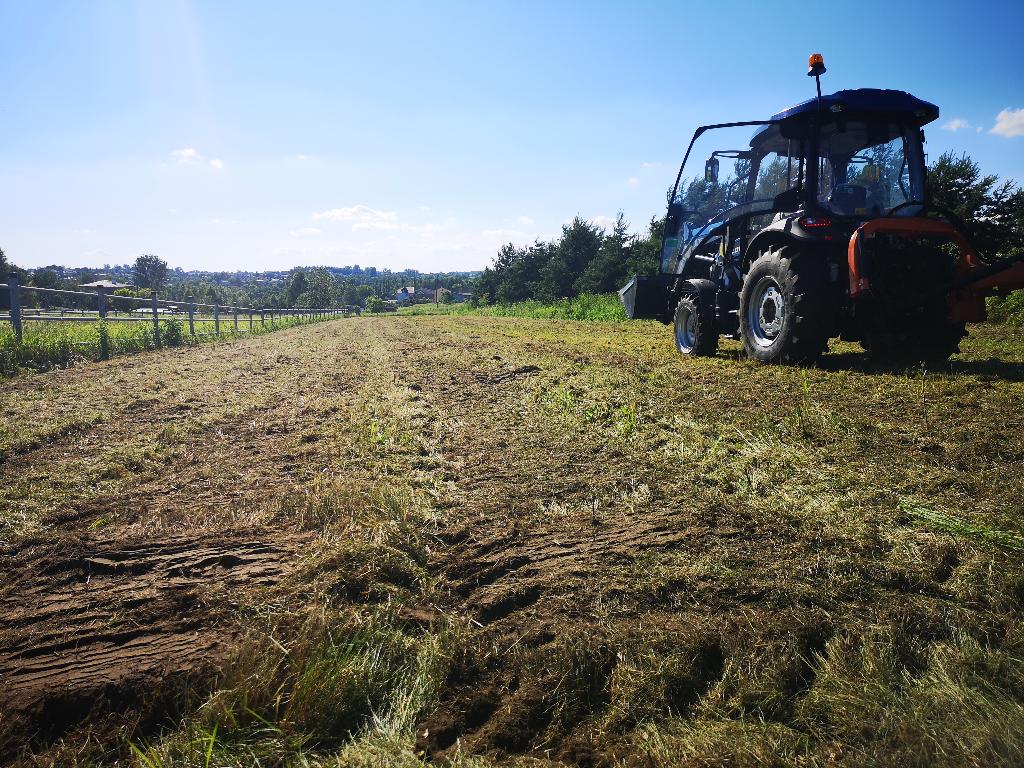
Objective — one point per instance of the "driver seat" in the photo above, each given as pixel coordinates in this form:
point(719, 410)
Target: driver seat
point(847, 198)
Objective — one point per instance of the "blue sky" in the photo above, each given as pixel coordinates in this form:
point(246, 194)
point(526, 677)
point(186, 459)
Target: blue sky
point(263, 135)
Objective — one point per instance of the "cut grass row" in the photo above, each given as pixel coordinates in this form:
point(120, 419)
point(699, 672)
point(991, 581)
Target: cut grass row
point(46, 345)
point(604, 307)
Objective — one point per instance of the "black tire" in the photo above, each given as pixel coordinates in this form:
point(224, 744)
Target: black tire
point(694, 326)
point(784, 310)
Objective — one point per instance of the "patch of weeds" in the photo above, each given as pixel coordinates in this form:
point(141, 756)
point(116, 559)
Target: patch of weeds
point(812, 420)
point(714, 743)
point(307, 685)
point(940, 521)
point(626, 420)
point(962, 708)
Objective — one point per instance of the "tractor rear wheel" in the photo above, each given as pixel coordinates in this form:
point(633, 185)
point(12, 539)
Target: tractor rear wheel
point(696, 329)
point(784, 315)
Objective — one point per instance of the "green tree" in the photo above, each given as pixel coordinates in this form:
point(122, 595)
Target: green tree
point(607, 271)
point(992, 211)
point(45, 278)
point(149, 272)
point(297, 285)
point(321, 290)
point(577, 247)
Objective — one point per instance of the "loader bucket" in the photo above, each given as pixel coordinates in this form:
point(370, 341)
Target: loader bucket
point(646, 298)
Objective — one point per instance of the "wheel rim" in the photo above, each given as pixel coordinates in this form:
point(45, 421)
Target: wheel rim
point(686, 329)
point(766, 312)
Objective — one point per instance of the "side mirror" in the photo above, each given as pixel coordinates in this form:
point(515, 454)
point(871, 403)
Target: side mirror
point(711, 170)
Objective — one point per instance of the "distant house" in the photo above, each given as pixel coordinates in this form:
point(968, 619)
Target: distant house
point(110, 285)
point(461, 296)
point(405, 295)
point(441, 294)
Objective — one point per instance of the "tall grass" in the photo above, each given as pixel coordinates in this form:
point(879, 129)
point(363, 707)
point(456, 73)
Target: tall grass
point(1007, 309)
point(55, 344)
point(603, 307)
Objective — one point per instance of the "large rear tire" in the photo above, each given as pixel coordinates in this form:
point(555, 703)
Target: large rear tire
point(696, 329)
point(784, 314)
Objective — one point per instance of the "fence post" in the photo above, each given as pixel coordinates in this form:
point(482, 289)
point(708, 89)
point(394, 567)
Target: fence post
point(101, 301)
point(234, 313)
point(191, 314)
point(216, 319)
point(156, 318)
point(250, 319)
point(12, 282)
point(263, 318)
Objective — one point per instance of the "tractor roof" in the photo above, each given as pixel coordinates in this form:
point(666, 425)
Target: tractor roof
point(854, 102)
point(867, 100)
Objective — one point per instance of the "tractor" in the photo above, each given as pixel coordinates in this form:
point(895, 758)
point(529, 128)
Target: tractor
point(817, 226)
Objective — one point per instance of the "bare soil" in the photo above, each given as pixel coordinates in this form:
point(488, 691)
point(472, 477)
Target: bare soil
point(91, 624)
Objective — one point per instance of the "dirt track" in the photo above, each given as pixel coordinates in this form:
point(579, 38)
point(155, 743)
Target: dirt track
point(90, 622)
point(590, 498)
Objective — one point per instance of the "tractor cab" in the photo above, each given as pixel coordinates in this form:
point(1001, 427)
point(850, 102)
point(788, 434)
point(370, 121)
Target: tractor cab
point(815, 224)
point(846, 158)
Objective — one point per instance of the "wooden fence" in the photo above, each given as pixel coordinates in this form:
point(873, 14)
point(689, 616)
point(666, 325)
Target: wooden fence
point(111, 309)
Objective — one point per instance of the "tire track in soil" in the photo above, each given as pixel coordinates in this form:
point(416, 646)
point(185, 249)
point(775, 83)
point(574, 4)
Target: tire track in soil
point(89, 626)
point(523, 577)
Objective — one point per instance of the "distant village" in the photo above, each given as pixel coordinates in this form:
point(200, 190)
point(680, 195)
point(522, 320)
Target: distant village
point(301, 286)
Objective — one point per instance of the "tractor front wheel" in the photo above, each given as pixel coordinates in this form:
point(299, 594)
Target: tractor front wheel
point(783, 308)
point(696, 329)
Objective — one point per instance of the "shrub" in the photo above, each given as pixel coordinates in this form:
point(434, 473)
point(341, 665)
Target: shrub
point(1007, 309)
point(374, 304)
point(172, 333)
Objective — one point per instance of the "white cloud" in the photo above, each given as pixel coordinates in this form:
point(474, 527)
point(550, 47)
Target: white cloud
point(303, 157)
point(192, 156)
point(978, 129)
point(651, 165)
point(305, 232)
point(361, 216)
point(956, 124)
point(526, 221)
point(604, 222)
point(185, 156)
point(1009, 123)
point(632, 181)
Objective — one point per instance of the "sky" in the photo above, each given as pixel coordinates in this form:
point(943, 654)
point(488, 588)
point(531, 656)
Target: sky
point(265, 135)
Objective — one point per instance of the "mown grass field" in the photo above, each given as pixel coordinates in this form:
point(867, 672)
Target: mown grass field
point(472, 540)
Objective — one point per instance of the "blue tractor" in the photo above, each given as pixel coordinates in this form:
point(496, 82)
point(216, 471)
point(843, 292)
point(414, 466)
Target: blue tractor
point(817, 226)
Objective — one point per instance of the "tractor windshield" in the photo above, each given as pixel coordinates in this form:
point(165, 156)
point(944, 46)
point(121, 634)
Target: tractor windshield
point(870, 168)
